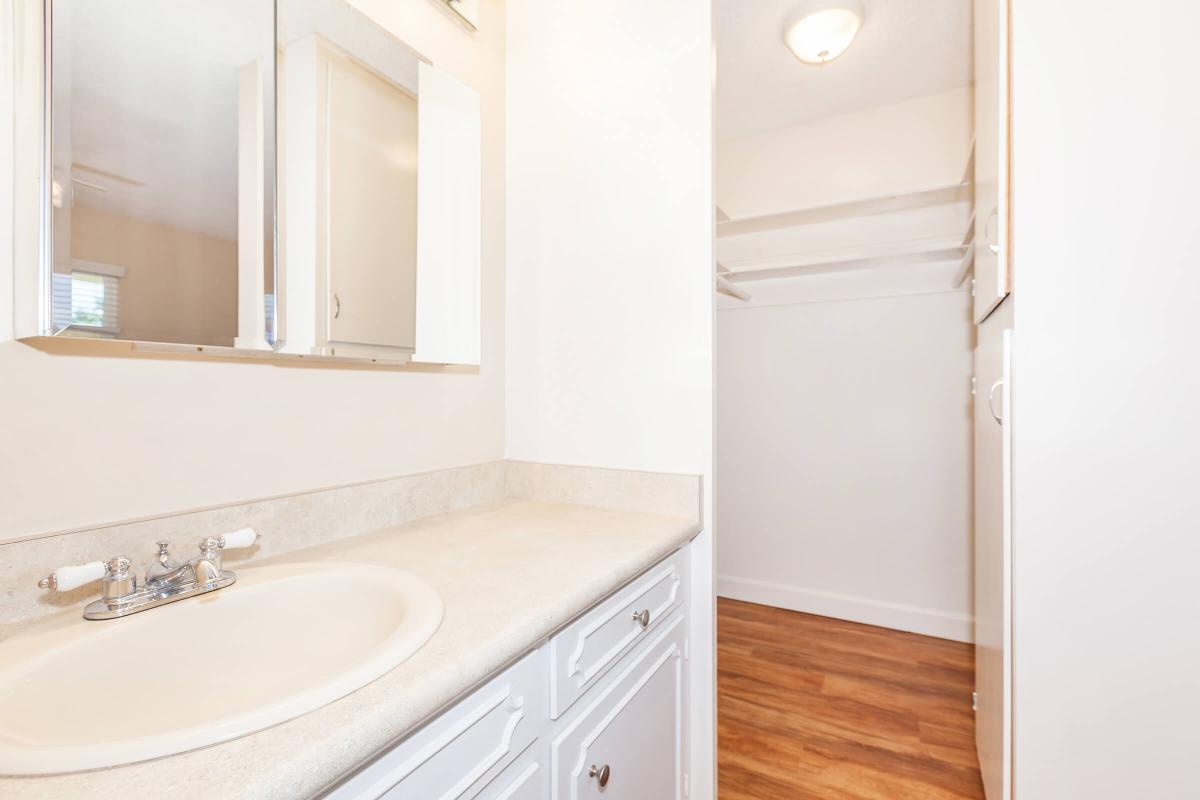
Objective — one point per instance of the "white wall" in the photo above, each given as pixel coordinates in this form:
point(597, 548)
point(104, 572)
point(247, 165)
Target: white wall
point(1107, 241)
point(918, 144)
point(844, 450)
point(610, 257)
point(154, 435)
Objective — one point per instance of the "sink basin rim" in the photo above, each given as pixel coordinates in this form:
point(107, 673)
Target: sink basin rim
point(424, 608)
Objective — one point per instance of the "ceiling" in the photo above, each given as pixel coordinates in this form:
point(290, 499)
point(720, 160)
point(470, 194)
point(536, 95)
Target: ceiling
point(146, 98)
point(906, 49)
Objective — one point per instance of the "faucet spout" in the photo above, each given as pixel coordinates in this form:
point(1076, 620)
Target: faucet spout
point(205, 571)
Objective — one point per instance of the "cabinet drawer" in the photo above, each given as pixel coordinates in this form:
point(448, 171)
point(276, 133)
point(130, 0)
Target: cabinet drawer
point(527, 779)
point(460, 752)
point(587, 649)
point(629, 733)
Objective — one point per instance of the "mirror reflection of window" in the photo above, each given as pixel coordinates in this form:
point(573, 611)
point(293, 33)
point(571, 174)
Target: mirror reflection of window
point(87, 302)
point(162, 124)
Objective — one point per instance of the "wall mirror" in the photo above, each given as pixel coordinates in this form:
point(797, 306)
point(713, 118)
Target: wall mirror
point(251, 177)
point(162, 185)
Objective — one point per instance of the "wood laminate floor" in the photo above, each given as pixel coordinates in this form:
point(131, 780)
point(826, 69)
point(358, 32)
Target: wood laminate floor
point(812, 708)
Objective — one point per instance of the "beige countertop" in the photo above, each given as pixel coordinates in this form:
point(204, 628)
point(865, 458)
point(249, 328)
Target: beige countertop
point(510, 573)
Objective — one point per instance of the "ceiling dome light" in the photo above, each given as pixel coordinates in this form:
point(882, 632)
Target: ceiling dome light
point(822, 29)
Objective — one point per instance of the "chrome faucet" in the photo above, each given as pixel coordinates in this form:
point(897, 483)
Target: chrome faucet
point(166, 580)
point(163, 564)
point(205, 568)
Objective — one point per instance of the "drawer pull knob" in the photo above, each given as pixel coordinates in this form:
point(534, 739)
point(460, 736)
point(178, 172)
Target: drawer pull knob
point(642, 617)
point(600, 774)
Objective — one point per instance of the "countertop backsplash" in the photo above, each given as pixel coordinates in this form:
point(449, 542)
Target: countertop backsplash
point(295, 521)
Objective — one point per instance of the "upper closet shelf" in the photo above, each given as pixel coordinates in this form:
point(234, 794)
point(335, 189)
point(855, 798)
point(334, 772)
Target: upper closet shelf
point(961, 191)
point(886, 204)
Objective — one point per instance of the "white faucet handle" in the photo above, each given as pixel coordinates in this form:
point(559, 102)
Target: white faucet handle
point(240, 538)
point(64, 579)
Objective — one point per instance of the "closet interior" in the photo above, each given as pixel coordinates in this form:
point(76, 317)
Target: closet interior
point(863, 348)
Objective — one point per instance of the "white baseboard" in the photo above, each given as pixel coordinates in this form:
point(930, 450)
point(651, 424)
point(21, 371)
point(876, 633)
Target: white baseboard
point(930, 622)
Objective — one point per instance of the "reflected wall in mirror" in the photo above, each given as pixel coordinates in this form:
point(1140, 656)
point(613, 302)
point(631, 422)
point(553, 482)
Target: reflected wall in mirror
point(161, 159)
point(379, 193)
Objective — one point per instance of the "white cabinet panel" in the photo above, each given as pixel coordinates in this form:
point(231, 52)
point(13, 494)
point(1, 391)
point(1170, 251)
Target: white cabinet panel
point(630, 734)
point(527, 779)
point(500, 743)
point(993, 278)
point(993, 556)
point(462, 750)
point(582, 653)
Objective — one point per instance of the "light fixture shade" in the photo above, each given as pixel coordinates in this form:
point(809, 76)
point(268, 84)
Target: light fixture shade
point(821, 30)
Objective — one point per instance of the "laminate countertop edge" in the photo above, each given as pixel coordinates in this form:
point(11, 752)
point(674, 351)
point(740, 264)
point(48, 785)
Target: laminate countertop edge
point(510, 572)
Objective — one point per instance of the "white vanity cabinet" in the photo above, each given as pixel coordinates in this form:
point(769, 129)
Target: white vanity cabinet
point(463, 750)
point(596, 711)
point(585, 650)
point(526, 779)
point(629, 736)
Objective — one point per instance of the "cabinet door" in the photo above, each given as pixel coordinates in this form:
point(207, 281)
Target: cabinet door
point(370, 207)
point(630, 735)
point(993, 556)
point(993, 277)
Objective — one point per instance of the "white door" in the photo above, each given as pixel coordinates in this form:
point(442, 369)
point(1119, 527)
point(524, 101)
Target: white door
point(993, 277)
point(993, 557)
point(627, 743)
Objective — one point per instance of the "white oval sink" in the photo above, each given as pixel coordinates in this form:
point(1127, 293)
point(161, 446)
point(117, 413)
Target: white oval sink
point(282, 641)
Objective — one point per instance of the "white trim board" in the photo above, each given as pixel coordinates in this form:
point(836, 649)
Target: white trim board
point(914, 619)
